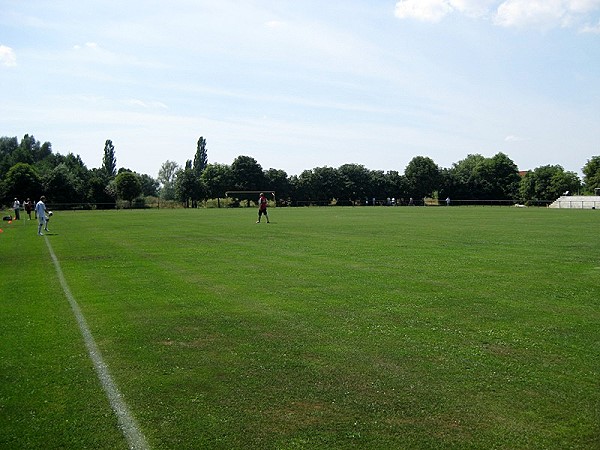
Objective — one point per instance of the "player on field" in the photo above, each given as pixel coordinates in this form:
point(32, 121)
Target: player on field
point(40, 211)
point(262, 207)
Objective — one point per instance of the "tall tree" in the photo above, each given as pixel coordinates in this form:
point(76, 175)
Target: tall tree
point(149, 185)
point(277, 180)
point(7, 150)
point(188, 187)
point(304, 186)
point(97, 190)
point(201, 157)
point(27, 150)
point(109, 161)
point(63, 186)
point(500, 178)
point(396, 185)
point(30, 151)
point(76, 165)
point(166, 177)
point(22, 181)
point(461, 181)
point(355, 179)
point(128, 186)
point(378, 186)
point(423, 176)
point(217, 178)
point(247, 174)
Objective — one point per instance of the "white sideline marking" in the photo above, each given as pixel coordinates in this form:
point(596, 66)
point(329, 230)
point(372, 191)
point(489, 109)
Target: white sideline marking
point(126, 421)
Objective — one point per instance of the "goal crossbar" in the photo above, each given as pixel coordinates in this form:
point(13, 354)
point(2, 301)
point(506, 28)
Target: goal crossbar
point(234, 193)
point(231, 193)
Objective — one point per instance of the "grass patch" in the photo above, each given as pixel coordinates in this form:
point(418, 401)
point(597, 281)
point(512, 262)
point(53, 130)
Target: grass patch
point(328, 328)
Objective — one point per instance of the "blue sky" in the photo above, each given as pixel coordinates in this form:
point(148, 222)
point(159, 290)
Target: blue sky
point(303, 84)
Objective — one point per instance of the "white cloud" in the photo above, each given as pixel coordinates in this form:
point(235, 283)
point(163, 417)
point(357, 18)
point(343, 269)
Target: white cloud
point(507, 13)
point(435, 10)
point(7, 56)
point(530, 12)
point(92, 46)
point(92, 52)
point(473, 8)
point(513, 138)
point(146, 104)
point(544, 13)
point(594, 29)
point(426, 10)
point(583, 6)
point(275, 24)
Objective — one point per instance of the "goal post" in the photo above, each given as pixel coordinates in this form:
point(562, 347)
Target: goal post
point(245, 195)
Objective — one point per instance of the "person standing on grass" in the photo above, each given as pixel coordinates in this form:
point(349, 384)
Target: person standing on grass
point(40, 212)
point(262, 207)
point(17, 208)
point(28, 208)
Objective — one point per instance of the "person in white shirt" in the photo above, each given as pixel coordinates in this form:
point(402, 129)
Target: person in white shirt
point(17, 208)
point(40, 211)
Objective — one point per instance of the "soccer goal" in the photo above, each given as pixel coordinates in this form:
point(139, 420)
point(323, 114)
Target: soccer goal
point(250, 195)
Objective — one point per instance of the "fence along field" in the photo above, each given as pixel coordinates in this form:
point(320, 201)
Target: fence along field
point(328, 328)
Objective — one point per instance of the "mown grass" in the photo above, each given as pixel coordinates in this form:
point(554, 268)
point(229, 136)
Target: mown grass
point(328, 328)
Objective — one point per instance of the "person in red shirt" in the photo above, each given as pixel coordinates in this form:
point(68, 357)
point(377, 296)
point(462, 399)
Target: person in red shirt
point(262, 207)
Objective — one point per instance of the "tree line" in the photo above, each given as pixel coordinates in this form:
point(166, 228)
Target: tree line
point(29, 168)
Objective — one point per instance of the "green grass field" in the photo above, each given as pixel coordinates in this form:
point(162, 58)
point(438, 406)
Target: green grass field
point(332, 328)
